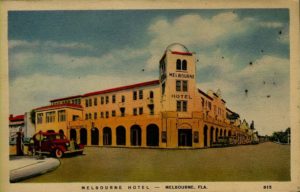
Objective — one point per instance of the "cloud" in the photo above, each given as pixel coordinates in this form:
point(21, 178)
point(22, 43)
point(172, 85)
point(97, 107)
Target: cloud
point(267, 98)
point(193, 30)
point(271, 24)
point(13, 44)
point(36, 90)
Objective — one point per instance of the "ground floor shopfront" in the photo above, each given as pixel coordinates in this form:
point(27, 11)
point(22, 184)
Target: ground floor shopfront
point(161, 131)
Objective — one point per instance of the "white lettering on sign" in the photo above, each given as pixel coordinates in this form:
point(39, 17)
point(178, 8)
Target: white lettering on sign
point(182, 75)
point(177, 96)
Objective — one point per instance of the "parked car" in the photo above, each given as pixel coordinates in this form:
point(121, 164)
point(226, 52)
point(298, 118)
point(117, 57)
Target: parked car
point(54, 144)
point(221, 142)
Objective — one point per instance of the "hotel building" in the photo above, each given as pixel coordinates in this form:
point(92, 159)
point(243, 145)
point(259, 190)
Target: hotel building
point(170, 112)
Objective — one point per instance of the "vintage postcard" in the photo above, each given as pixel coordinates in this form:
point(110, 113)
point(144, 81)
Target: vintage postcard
point(150, 96)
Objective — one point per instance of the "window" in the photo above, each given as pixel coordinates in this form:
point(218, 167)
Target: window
point(184, 85)
point(178, 85)
point(181, 65)
point(106, 114)
point(86, 103)
point(141, 110)
point(95, 115)
point(182, 106)
point(134, 111)
point(90, 102)
point(151, 95)
point(140, 94)
point(123, 99)
point(86, 116)
point(40, 118)
point(102, 115)
point(134, 95)
point(178, 64)
point(151, 108)
point(178, 105)
point(202, 102)
point(90, 116)
point(113, 113)
point(102, 100)
point(184, 65)
point(95, 101)
point(106, 99)
point(61, 115)
point(181, 85)
point(122, 109)
point(113, 99)
point(50, 117)
point(209, 105)
point(75, 117)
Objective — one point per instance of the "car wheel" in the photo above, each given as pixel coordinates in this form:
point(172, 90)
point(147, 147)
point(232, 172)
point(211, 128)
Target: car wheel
point(58, 153)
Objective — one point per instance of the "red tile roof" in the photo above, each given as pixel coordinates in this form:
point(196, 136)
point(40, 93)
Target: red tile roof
point(65, 98)
point(154, 82)
point(181, 53)
point(59, 106)
point(17, 118)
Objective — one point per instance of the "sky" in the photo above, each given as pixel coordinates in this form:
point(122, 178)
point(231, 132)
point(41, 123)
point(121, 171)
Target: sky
point(242, 52)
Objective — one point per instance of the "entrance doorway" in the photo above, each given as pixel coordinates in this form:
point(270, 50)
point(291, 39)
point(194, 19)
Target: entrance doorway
point(152, 135)
point(185, 137)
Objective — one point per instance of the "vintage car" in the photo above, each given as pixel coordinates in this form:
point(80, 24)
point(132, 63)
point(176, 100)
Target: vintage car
point(54, 144)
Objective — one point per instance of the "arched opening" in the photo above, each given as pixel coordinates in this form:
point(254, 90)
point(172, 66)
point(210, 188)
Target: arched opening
point(152, 135)
point(229, 133)
point(184, 65)
point(211, 135)
point(107, 136)
point(221, 132)
point(73, 135)
point(178, 64)
point(135, 135)
point(217, 134)
point(50, 131)
point(83, 136)
point(94, 136)
point(225, 133)
point(205, 134)
point(121, 135)
point(151, 95)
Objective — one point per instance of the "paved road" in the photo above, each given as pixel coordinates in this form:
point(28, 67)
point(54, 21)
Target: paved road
point(263, 162)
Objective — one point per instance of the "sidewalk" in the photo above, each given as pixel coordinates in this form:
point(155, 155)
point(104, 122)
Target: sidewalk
point(23, 167)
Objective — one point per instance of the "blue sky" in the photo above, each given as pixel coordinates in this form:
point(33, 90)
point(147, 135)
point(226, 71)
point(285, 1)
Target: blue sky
point(54, 54)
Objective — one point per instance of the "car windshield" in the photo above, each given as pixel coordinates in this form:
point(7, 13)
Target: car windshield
point(55, 136)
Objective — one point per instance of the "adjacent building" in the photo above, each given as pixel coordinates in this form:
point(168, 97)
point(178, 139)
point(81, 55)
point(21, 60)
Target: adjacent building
point(169, 112)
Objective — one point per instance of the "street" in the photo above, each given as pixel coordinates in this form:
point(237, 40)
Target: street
point(262, 162)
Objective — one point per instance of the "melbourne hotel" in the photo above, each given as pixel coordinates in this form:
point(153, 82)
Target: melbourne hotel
point(169, 112)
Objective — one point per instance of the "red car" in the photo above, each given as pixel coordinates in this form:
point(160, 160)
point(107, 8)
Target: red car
point(54, 144)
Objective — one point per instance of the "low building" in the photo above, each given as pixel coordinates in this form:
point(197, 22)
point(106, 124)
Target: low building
point(16, 124)
point(170, 112)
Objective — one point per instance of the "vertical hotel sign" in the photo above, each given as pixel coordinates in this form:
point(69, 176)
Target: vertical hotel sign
point(182, 76)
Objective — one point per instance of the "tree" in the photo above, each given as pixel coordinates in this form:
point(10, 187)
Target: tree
point(252, 125)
